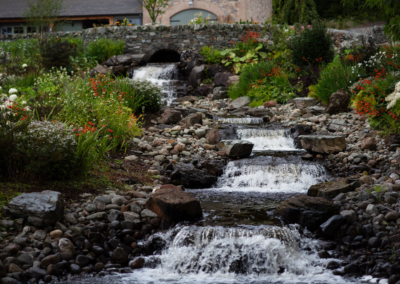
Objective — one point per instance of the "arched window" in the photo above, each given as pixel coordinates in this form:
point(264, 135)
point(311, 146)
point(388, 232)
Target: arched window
point(184, 17)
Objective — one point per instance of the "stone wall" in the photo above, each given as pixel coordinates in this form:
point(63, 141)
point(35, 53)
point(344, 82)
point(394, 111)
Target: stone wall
point(149, 39)
point(259, 10)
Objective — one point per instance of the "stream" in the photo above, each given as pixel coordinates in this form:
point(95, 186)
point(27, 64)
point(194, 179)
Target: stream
point(238, 240)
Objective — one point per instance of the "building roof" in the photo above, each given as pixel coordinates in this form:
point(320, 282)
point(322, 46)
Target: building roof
point(10, 9)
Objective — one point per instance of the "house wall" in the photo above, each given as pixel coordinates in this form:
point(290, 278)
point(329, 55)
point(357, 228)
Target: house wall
point(260, 10)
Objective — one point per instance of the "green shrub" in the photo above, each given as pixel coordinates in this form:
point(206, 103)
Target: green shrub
point(147, 93)
point(104, 48)
point(212, 56)
point(250, 75)
point(311, 45)
point(56, 52)
point(336, 76)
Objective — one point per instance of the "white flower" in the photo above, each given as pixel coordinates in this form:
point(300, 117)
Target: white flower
point(12, 91)
point(13, 97)
point(2, 107)
point(24, 65)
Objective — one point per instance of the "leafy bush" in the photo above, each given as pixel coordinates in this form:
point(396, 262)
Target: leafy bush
point(147, 93)
point(250, 75)
point(336, 76)
point(104, 48)
point(56, 52)
point(13, 54)
point(311, 45)
point(212, 56)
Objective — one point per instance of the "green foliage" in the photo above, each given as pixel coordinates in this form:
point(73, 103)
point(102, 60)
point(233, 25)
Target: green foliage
point(336, 76)
point(147, 93)
point(42, 13)
point(56, 52)
point(200, 20)
point(311, 45)
point(212, 56)
point(104, 48)
point(250, 75)
point(294, 11)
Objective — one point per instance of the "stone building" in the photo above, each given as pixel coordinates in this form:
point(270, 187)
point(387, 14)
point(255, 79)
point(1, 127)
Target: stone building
point(180, 12)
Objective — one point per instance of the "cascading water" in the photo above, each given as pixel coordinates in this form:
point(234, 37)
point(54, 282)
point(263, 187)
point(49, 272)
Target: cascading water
point(262, 254)
point(265, 139)
point(271, 174)
point(164, 75)
point(240, 120)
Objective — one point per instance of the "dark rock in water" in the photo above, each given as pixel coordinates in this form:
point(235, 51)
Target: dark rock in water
point(332, 225)
point(35, 272)
point(197, 75)
point(236, 148)
point(191, 177)
point(170, 117)
point(214, 167)
point(75, 269)
point(137, 263)
point(333, 265)
point(374, 242)
point(351, 268)
point(41, 208)
point(338, 102)
point(120, 256)
point(329, 189)
point(298, 130)
point(82, 260)
point(174, 205)
point(307, 211)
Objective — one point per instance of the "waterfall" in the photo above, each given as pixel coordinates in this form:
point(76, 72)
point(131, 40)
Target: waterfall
point(240, 120)
point(262, 254)
point(266, 174)
point(265, 139)
point(162, 75)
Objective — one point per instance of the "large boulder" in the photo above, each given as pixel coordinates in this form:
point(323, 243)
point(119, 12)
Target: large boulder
point(222, 78)
point(41, 208)
point(99, 69)
point(170, 117)
point(307, 211)
point(191, 177)
point(236, 148)
point(323, 144)
point(174, 205)
point(329, 189)
point(338, 102)
point(204, 90)
point(197, 75)
point(369, 144)
point(239, 102)
point(259, 112)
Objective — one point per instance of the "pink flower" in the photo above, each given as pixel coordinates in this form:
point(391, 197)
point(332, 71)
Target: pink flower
point(309, 26)
point(292, 27)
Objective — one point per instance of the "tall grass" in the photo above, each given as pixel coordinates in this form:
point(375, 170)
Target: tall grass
point(104, 48)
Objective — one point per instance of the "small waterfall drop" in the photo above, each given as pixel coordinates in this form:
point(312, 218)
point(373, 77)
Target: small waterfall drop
point(241, 120)
point(163, 75)
point(269, 175)
point(265, 139)
point(262, 254)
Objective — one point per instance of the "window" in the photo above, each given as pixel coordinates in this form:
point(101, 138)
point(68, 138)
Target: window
point(18, 30)
point(31, 30)
point(6, 30)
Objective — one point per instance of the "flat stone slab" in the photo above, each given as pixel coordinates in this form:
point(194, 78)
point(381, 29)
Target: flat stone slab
point(323, 144)
point(329, 189)
point(41, 208)
point(302, 103)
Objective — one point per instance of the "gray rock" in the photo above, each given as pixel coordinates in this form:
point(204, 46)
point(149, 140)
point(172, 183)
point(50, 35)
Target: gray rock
point(146, 213)
point(70, 218)
point(98, 215)
point(91, 207)
point(371, 209)
point(136, 208)
point(40, 235)
point(331, 225)
point(25, 258)
point(239, 102)
point(35, 272)
point(115, 215)
point(323, 144)
point(41, 208)
point(102, 199)
point(118, 200)
point(302, 103)
point(82, 260)
point(350, 216)
point(65, 245)
point(130, 216)
point(119, 255)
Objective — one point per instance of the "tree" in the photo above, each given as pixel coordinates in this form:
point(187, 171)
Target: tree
point(295, 11)
point(155, 7)
point(42, 14)
point(392, 9)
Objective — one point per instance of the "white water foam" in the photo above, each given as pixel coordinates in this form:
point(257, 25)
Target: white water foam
point(264, 139)
point(285, 177)
point(159, 75)
point(241, 120)
point(234, 255)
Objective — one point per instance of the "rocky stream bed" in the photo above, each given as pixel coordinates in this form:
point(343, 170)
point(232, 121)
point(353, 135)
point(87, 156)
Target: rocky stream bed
point(275, 194)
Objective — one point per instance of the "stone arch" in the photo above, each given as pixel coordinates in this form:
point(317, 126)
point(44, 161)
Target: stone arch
point(165, 55)
point(184, 6)
point(160, 47)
